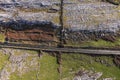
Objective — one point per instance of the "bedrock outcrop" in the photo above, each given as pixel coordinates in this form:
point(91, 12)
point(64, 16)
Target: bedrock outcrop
point(89, 75)
point(99, 18)
point(41, 10)
point(82, 19)
point(86, 20)
point(18, 61)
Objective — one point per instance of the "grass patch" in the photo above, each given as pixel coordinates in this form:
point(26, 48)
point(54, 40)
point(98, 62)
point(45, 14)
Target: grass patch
point(31, 51)
point(28, 76)
point(33, 10)
point(99, 43)
point(15, 76)
point(3, 60)
point(32, 75)
point(2, 37)
point(56, 20)
point(48, 68)
point(72, 63)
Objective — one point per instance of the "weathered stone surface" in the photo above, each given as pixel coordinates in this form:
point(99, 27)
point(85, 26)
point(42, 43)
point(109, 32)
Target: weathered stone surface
point(91, 16)
point(87, 75)
point(20, 61)
point(108, 79)
point(83, 20)
point(80, 17)
point(86, 20)
point(40, 10)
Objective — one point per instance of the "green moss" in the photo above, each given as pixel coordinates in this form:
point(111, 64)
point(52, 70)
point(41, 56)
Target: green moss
point(3, 60)
point(33, 10)
point(48, 68)
point(15, 76)
point(32, 75)
point(72, 63)
point(31, 51)
point(99, 43)
point(19, 52)
point(103, 43)
point(56, 20)
point(2, 37)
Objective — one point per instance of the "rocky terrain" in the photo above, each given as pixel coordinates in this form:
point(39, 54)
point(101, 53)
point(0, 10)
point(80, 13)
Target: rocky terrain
point(30, 10)
point(86, 23)
point(17, 61)
point(89, 75)
point(26, 65)
point(34, 65)
point(82, 20)
point(91, 20)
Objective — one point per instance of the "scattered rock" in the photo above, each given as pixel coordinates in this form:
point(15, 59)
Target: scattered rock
point(90, 75)
point(20, 61)
point(87, 75)
point(117, 60)
point(108, 79)
point(77, 78)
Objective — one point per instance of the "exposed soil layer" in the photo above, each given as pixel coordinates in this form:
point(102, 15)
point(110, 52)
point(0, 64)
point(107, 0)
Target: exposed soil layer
point(33, 35)
point(35, 31)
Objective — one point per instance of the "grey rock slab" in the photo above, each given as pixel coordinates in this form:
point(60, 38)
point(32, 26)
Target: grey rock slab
point(40, 7)
point(91, 16)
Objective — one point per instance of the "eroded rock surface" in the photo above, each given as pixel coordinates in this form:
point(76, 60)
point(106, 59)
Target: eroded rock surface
point(18, 61)
point(86, 20)
point(40, 10)
point(89, 75)
point(83, 18)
